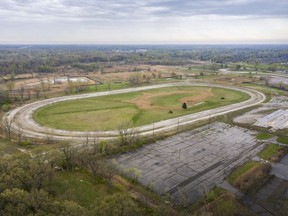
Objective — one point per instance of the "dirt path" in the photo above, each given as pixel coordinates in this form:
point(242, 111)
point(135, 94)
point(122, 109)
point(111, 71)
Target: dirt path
point(195, 99)
point(145, 100)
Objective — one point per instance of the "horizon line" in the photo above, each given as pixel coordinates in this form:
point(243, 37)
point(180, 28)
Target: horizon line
point(137, 44)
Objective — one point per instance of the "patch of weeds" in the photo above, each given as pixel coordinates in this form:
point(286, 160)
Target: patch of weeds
point(25, 144)
point(273, 152)
point(263, 136)
point(240, 170)
point(250, 176)
point(218, 202)
point(7, 147)
point(283, 140)
point(80, 187)
point(133, 173)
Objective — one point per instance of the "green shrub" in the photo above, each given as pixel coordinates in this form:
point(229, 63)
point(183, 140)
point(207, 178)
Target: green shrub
point(6, 107)
point(25, 143)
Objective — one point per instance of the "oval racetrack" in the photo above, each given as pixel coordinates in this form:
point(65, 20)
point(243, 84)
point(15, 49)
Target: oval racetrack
point(22, 117)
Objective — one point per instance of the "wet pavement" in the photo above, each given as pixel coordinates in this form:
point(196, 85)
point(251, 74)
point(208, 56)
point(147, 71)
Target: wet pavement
point(274, 196)
point(280, 169)
point(189, 164)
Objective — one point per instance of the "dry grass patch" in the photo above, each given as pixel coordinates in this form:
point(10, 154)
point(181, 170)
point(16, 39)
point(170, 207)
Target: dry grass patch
point(250, 176)
point(219, 202)
point(273, 152)
point(144, 101)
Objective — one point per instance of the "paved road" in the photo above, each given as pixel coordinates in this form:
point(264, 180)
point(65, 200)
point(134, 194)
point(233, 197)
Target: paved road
point(22, 116)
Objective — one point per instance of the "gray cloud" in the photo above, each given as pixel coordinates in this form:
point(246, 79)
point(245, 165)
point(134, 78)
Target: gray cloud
point(138, 10)
point(228, 7)
point(138, 21)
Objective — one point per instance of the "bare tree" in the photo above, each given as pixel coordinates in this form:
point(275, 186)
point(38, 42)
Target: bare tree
point(41, 168)
point(134, 80)
point(70, 87)
point(19, 134)
point(10, 85)
point(86, 157)
point(108, 170)
point(28, 94)
point(48, 84)
point(92, 162)
point(78, 86)
point(50, 135)
point(133, 173)
point(123, 131)
point(21, 92)
point(69, 158)
point(102, 70)
point(127, 134)
point(95, 143)
point(87, 135)
point(42, 83)
point(37, 90)
point(266, 79)
point(108, 85)
point(8, 126)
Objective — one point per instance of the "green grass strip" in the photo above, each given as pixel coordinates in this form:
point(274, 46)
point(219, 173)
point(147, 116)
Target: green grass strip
point(263, 136)
point(241, 170)
point(269, 151)
point(283, 140)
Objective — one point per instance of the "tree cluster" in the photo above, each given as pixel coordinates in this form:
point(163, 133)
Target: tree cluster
point(26, 182)
point(25, 186)
point(47, 59)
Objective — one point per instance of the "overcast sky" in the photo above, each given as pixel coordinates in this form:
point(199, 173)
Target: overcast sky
point(143, 21)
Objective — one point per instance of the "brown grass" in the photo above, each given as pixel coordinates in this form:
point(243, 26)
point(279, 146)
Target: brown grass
point(251, 180)
point(192, 100)
point(279, 155)
point(144, 101)
point(224, 204)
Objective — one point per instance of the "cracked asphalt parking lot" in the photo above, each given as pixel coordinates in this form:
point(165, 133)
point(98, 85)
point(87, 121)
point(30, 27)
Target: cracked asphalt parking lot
point(186, 165)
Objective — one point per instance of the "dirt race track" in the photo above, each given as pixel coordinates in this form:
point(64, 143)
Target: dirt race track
point(22, 117)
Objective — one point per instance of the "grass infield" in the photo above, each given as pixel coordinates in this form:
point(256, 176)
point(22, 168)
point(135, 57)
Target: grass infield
point(139, 108)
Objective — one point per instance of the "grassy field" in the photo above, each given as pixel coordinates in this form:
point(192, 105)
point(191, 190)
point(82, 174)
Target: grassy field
point(108, 112)
point(272, 152)
point(80, 187)
point(266, 90)
point(88, 191)
point(8, 147)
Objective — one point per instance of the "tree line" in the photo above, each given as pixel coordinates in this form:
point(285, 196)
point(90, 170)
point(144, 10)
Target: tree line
point(47, 59)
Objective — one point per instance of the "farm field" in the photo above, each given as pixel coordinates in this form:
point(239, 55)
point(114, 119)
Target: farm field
point(137, 108)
